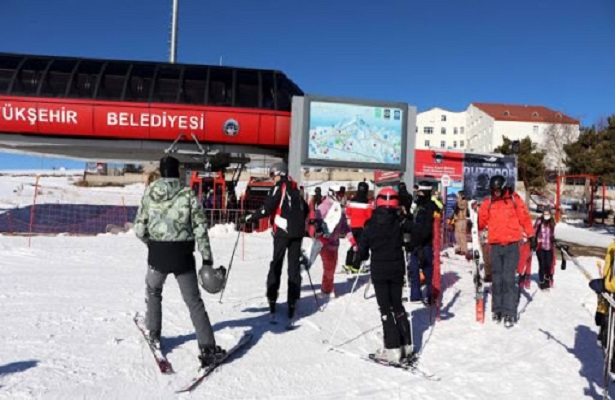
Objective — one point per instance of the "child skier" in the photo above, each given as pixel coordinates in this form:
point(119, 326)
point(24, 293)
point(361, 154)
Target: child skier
point(331, 224)
point(545, 249)
point(383, 237)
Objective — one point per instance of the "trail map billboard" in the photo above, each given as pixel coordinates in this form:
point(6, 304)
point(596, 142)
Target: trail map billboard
point(354, 134)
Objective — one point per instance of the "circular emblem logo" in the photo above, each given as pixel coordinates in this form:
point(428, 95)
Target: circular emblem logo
point(231, 127)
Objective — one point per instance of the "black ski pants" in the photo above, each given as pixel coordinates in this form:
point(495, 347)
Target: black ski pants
point(504, 262)
point(395, 324)
point(545, 262)
point(357, 233)
point(280, 246)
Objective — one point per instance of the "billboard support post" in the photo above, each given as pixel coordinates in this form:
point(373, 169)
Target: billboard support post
point(408, 173)
point(294, 148)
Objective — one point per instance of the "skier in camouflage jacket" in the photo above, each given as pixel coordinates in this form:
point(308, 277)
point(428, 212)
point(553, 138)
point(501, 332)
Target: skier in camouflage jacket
point(169, 221)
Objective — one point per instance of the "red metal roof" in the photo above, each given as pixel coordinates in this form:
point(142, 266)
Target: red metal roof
point(525, 113)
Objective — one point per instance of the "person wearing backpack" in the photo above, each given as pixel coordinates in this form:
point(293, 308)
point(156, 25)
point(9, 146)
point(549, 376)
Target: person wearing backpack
point(544, 244)
point(288, 212)
point(508, 220)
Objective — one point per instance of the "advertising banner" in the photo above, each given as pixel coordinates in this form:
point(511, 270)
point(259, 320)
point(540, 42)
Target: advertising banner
point(479, 168)
point(435, 164)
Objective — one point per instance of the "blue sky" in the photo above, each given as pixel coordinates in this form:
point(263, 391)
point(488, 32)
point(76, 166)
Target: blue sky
point(446, 53)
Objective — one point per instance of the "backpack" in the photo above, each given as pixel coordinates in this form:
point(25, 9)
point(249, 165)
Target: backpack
point(292, 210)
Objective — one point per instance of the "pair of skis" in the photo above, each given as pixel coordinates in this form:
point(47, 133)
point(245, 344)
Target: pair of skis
point(165, 366)
point(478, 264)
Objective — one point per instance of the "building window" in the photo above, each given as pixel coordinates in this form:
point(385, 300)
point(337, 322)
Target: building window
point(455, 144)
point(461, 130)
point(443, 131)
point(535, 129)
point(443, 118)
point(427, 143)
point(428, 130)
point(535, 114)
point(461, 143)
point(416, 129)
point(442, 144)
point(454, 130)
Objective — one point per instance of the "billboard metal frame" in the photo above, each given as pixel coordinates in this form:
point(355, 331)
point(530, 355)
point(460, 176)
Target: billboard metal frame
point(299, 138)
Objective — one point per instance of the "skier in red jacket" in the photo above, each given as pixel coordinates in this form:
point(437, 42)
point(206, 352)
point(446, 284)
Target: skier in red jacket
point(508, 220)
point(358, 210)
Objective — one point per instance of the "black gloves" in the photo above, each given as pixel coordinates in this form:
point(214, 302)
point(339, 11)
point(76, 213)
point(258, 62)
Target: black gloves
point(597, 285)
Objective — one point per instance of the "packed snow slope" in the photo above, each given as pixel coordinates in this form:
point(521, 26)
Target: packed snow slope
point(67, 332)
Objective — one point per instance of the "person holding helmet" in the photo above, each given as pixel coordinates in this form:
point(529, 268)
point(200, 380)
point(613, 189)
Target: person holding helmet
point(288, 212)
point(508, 220)
point(169, 221)
point(421, 244)
point(358, 210)
point(331, 223)
point(383, 238)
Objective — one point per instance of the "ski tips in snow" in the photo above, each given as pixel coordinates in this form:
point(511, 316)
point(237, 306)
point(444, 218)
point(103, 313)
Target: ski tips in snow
point(203, 373)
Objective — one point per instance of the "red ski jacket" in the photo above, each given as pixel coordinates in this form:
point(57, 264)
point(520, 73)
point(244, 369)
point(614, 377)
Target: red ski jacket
point(507, 219)
point(359, 213)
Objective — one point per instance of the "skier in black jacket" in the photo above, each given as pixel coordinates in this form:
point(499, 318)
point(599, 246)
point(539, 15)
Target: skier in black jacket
point(383, 237)
point(421, 244)
point(405, 199)
point(288, 212)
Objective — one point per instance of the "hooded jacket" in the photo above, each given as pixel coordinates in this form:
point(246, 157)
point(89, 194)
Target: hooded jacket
point(169, 220)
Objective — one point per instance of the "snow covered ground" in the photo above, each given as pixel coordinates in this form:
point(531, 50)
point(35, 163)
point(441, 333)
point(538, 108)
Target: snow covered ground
point(66, 306)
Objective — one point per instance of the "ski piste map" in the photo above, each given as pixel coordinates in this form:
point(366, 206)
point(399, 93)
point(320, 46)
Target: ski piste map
point(355, 133)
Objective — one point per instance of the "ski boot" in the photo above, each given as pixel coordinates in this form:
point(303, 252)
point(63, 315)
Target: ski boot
point(389, 356)
point(272, 319)
point(211, 355)
point(408, 356)
point(497, 317)
point(153, 337)
point(509, 321)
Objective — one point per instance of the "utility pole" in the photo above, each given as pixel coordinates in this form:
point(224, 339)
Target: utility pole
point(173, 50)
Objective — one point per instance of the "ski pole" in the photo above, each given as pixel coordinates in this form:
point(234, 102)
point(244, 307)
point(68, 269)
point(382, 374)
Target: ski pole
point(339, 320)
point(230, 265)
point(565, 252)
point(608, 355)
point(313, 289)
point(408, 287)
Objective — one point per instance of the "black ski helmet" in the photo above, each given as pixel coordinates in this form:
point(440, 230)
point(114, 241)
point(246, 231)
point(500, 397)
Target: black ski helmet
point(497, 182)
point(363, 187)
point(212, 280)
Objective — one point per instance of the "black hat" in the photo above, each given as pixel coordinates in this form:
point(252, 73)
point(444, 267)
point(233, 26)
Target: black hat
point(169, 167)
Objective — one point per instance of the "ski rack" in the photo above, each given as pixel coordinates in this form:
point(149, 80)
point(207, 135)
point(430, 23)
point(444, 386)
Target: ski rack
point(565, 252)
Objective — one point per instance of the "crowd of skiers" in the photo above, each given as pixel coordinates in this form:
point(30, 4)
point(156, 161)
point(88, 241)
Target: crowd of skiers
point(394, 231)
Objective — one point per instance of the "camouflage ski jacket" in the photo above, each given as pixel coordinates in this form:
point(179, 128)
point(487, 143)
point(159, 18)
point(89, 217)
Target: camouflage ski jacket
point(169, 220)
